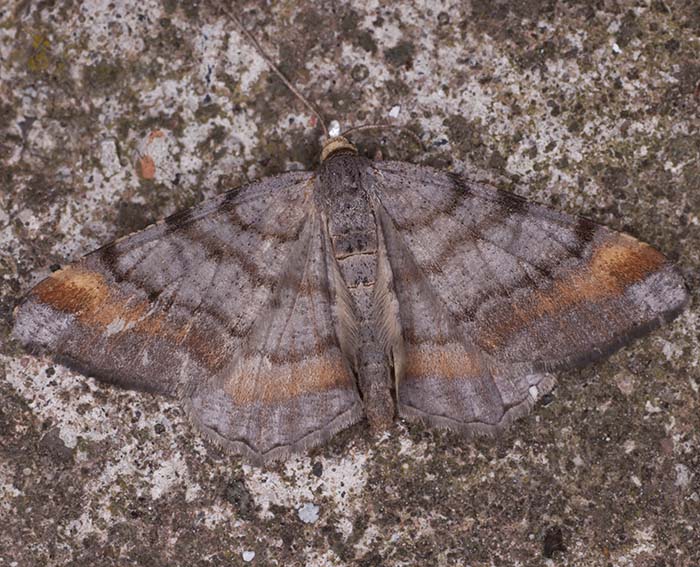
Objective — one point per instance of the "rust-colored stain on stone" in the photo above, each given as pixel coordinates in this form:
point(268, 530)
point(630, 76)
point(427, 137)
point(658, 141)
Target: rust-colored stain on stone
point(148, 167)
point(155, 134)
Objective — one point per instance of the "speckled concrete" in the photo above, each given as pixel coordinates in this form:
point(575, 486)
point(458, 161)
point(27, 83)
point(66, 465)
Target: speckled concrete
point(114, 114)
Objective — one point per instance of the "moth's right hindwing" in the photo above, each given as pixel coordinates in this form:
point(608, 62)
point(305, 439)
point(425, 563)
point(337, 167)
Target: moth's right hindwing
point(495, 291)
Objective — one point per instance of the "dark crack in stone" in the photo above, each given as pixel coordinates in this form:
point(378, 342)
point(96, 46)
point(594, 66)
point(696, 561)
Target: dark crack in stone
point(553, 542)
point(237, 493)
point(54, 447)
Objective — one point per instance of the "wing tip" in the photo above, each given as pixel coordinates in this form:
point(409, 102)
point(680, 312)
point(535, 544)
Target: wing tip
point(36, 326)
point(676, 304)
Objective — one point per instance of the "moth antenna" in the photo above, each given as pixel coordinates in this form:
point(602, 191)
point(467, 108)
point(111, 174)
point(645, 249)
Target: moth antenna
point(273, 67)
point(401, 129)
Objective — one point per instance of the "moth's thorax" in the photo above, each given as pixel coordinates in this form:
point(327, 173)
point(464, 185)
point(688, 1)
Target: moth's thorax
point(346, 200)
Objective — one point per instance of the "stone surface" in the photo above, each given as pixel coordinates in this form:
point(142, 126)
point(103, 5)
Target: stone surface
point(115, 114)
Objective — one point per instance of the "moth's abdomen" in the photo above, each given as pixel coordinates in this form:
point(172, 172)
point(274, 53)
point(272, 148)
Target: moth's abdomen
point(359, 270)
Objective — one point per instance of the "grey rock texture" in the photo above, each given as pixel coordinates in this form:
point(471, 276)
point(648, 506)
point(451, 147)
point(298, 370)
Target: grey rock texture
point(114, 114)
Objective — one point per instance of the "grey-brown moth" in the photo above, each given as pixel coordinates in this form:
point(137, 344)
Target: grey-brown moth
point(288, 309)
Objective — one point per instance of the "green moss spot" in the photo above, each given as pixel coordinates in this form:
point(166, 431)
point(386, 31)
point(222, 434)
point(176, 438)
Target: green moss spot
point(206, 112)
point(39, 57)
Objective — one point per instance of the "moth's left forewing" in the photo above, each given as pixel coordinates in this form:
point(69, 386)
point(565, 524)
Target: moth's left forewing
point(105, 330)
point(168, 305)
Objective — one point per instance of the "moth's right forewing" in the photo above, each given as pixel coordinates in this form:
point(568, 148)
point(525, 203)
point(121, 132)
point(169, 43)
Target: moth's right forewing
point(527, 283)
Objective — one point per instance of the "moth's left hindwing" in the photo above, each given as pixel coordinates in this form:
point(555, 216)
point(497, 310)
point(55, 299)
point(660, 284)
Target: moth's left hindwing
point(169, 309)
point(290, 385)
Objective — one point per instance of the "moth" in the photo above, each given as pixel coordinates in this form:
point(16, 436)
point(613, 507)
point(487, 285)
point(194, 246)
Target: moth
point(286, 310)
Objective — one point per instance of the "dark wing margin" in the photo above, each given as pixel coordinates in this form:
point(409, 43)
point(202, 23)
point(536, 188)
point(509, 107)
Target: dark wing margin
point(526, 283)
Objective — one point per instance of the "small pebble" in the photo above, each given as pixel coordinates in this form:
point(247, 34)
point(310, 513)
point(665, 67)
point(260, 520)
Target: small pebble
point(248, 556)
point(683, 476)
point(334, 129)
point(625, 383)
point(359, 72)
point(308, 513)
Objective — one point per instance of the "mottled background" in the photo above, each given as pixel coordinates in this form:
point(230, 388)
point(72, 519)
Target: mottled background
point(114, 114)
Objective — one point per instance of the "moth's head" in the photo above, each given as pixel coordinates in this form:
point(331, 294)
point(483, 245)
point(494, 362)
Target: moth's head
point(335, 146)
